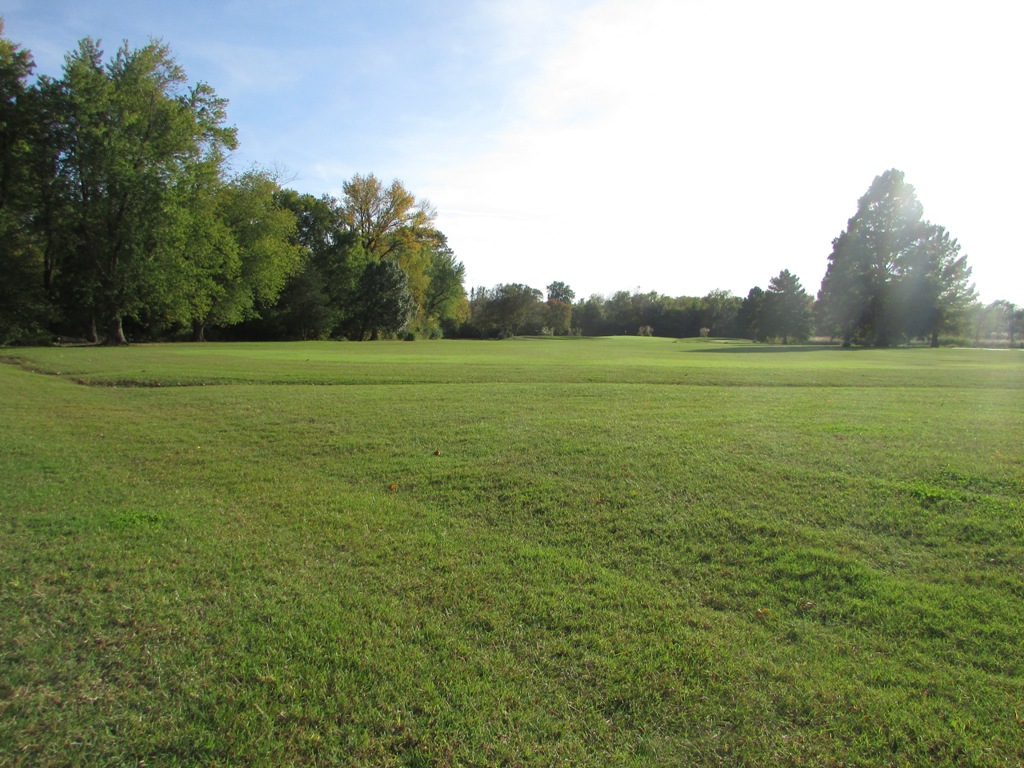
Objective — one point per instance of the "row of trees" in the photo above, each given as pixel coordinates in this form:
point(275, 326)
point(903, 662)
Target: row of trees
point(784, 312)
point(373, 265)
point(118, 208)
point(892, 276)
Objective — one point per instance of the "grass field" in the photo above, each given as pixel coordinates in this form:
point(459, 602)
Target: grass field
point(531, 552)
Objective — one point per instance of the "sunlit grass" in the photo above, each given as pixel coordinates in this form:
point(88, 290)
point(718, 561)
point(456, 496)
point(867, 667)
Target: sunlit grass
point(624, 360)
point(578, 552)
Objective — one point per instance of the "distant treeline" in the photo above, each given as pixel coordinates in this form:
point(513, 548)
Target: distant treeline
point(120, 218)
point(892, 277)
point(760, 316)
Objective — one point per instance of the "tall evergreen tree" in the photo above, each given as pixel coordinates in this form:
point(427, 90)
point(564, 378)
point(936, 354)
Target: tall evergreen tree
point(383, 303)
point(854, 297)
point(887, 255)
point(786, 309)
point(750, 318)
point(933, 288)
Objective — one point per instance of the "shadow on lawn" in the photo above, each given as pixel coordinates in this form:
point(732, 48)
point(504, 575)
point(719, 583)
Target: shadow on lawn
point(774, 348)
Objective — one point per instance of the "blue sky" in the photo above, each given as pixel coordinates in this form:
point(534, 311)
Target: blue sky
point(669, 145)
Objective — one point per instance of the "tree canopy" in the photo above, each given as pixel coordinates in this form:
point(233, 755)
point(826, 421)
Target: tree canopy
point(117, 205)
point(131, 132)
point(892, 274)
point(379, 215)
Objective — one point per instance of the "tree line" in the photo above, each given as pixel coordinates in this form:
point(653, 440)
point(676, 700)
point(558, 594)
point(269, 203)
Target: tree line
point(120, 216)
point(118, 209)
point(892, 277)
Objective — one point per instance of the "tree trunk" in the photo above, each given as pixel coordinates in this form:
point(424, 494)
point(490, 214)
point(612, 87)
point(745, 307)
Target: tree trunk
point(91, 335)
point(198, 330)
point(116, 336)
point(934, 340)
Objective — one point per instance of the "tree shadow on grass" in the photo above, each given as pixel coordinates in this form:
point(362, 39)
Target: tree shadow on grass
point(775, 348)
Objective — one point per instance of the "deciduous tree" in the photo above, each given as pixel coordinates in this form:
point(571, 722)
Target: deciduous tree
point(559, 291)
point(310, 305)
point(23, 306)
point(376, 214)
point(1012, 317)
point(260, 252)
point(589, 317)
point(445, 300)
point(557, 317)
point(718, 312)
point(130, 129)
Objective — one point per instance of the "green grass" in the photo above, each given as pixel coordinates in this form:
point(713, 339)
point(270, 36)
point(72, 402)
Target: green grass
point(627, 552)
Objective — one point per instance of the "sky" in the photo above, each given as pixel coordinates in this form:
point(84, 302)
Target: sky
point(676, 146)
